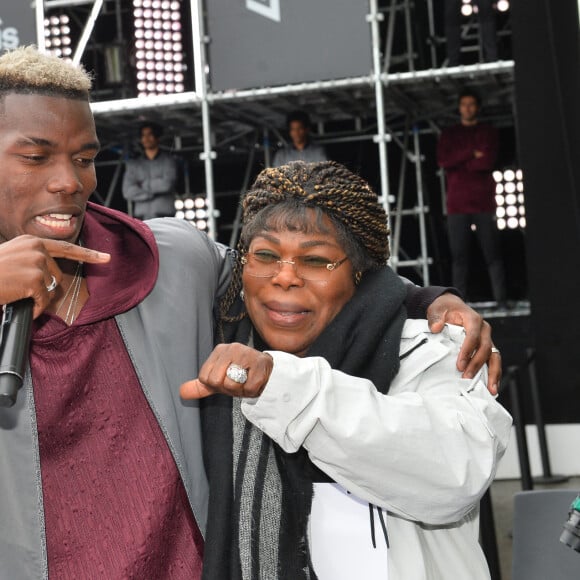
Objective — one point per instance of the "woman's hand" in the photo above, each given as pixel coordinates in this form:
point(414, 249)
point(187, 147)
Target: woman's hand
point(28, 266)
point(477, 346)
point(213, 377)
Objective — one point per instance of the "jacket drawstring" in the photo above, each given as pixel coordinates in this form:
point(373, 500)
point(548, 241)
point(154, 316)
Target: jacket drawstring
point(383, 524)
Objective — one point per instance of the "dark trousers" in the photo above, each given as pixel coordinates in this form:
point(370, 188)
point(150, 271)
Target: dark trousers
point(486, 19)
point(459, 230)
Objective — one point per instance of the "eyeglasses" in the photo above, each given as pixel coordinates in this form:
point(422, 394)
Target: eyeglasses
point(268, 265)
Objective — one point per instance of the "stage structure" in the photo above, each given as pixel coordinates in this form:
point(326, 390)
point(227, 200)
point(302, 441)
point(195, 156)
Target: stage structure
point(387, 91)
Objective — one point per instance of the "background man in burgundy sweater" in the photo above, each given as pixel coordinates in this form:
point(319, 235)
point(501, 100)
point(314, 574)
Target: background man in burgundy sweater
point(468, 151)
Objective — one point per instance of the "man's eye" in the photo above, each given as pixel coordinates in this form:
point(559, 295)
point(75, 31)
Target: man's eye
point(266, 257)
point(86, 161)
point(313, 261)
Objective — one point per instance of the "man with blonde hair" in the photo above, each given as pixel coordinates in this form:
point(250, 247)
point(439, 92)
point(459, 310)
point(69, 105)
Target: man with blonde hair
point(102, 471)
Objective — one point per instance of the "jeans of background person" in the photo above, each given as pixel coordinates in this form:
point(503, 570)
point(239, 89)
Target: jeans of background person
point(486, 19)
point(459, 230)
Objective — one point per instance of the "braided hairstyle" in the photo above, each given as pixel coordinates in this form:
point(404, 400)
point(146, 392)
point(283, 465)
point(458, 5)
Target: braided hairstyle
point(284, 198)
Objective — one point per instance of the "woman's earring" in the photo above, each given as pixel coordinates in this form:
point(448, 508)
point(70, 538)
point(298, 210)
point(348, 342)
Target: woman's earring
point(357, 278)
point(242, 295)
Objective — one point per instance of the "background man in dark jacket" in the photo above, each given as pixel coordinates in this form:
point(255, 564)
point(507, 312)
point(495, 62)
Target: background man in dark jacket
point(468, 152)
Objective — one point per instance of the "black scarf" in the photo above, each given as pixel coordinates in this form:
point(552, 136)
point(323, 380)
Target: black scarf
point(363, 340)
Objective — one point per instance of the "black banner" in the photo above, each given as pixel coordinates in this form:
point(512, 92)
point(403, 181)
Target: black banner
point(257, 43)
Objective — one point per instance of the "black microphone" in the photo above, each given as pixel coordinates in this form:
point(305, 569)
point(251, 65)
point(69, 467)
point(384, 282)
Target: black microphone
point(15, 340)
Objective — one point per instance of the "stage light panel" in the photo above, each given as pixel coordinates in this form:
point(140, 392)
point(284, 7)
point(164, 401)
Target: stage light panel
point(159, 46)
point(510, 199)
point(194, 210)
point(57, 39)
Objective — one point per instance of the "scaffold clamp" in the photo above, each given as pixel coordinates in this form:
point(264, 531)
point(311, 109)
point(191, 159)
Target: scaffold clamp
point(386, 138)
point(378, 17)
point(203, 156)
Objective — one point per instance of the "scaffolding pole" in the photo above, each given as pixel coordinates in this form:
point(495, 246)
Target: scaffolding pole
point(421, 209)
point(39, 14)
point(381, 138)
point(87, 31)
point(399, 212)
point(201, 89)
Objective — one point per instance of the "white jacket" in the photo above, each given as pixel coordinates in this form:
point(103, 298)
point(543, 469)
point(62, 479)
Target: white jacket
point(426, 452)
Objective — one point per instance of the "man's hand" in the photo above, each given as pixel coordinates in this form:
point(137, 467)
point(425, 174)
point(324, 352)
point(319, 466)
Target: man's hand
point(28, 265)
point(477, 346)
point(213, 377)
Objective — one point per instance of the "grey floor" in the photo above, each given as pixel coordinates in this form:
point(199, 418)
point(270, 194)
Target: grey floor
point(502, 492)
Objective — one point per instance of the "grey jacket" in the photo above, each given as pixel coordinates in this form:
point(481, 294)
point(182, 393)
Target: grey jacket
point(310, 153)
point(150, 185)
point(145, 178)
point(167, 336)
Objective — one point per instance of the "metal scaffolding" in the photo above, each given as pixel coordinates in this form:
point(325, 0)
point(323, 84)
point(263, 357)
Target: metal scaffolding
point(385, 106)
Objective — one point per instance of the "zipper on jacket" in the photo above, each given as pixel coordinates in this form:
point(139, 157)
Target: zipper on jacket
point(413, 349)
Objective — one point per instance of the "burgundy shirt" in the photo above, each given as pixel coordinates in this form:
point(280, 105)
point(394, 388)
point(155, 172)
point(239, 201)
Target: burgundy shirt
point(115, 505)
point(470, 184)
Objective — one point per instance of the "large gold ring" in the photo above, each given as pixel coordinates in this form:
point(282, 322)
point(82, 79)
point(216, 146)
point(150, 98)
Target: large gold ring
point(237, 374)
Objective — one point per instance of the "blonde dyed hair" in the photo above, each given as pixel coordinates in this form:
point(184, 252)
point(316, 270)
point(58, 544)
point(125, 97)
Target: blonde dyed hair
point(26, 70)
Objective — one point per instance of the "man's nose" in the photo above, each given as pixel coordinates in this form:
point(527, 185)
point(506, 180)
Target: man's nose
point(65, 180)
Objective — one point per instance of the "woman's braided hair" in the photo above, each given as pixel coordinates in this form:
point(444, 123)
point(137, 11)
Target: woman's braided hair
point(281, 198)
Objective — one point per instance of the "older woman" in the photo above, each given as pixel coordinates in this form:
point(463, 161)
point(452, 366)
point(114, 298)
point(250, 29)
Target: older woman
point(352, 446)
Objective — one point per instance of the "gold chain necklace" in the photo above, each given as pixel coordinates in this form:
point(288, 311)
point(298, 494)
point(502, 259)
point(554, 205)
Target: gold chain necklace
point(74, 291)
